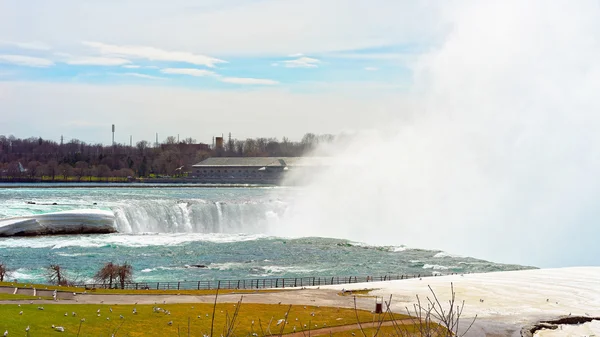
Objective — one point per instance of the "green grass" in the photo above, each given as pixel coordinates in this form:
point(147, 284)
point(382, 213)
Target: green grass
point(17, 297)
point(140, 292)
point(149, 323)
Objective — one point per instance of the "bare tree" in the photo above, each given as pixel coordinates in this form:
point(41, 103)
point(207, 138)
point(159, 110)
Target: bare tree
point(56, 275)
point(80, 169)
point(430, 318)
point(65, 170)
point(4, 272)
point(124, 274)
point(52, 168)
point(108, 274)
point(142, 145)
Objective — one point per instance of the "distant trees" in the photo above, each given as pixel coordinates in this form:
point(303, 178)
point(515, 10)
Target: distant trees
point(113, 274)
point(35, 158)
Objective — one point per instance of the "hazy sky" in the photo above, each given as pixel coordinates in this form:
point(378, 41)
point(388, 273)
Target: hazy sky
point(204, 67)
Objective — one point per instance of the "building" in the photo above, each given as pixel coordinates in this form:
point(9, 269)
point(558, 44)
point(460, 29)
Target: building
point(253, 170)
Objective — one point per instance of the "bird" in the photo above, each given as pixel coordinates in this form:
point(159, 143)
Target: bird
point(40, 308)
point(5, 333)
point(59, 329)
point(83, 319)
point(21, 312)
point(107, 318)
point(74, 314)
point(121, 316)
point(280, 321)
point(98, 311)
point(134, 311)
point(170, 323)
point(110, 309)
point(66, 314)
point(27, 328)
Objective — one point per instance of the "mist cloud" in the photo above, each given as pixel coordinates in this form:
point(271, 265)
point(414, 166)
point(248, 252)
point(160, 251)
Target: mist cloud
point(499, 156)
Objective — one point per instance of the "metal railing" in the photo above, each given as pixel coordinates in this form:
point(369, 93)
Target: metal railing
point(259, 283)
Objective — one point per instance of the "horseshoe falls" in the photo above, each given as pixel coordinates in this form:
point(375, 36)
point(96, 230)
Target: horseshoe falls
point(234, 232)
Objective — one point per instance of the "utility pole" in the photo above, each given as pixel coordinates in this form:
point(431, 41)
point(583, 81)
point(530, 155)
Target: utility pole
point(130, 141)
point(156, 144)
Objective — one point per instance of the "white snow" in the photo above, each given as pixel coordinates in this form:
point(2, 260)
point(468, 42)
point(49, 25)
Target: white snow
point(511, 300)
point(66, 222)
point(587, 329)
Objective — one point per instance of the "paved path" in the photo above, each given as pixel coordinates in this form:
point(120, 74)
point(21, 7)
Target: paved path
point(322, 297)
point(342, 328)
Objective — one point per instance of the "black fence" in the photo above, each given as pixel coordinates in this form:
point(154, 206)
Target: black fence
point(262, 283)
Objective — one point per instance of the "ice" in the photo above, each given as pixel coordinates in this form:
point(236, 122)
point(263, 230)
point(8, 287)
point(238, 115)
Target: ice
point(66, 222)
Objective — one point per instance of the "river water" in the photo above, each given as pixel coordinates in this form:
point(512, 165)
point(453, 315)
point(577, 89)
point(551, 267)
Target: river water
point(234, 232)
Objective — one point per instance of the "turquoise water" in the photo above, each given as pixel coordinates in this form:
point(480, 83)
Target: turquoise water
point(234, 232)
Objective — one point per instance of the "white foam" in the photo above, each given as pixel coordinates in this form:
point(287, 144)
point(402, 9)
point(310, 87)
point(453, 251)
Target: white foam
point(444, 254)
point(126, 240)
point(435, 267)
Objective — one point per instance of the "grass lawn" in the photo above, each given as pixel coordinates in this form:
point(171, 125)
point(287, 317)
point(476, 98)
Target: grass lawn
point(140, 292)
point(147, 322)
point(16, 297)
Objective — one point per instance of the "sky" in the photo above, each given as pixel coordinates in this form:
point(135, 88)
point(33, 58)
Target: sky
point(477, 120)
point(200, 68)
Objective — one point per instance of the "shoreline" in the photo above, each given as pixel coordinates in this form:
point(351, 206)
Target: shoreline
point(17, 185)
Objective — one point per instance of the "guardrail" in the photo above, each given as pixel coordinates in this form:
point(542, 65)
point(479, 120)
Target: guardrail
point(261, 283)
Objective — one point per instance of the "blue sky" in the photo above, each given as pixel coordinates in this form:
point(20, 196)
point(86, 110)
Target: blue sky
point(302, 66)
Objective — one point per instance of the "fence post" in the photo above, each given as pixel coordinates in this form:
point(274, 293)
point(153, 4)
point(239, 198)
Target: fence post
point(178, 284)
point(198, 285)
point(313, 281)
point(157, 285)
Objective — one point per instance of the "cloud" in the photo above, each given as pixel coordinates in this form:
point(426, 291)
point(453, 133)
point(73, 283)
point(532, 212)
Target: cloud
point(98, 61)
point(371, 68)
point(204, 73)
point(296, 55)
point(189, 71)
point(213, 27)
point(248, 80)
point(28, 61)
point(149, 77)
point(27, 45)
point(153, 54)
point(302, 62)
point(131, 66)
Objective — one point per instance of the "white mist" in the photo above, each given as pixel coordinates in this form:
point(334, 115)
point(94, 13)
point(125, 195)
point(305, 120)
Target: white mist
point(497, 156)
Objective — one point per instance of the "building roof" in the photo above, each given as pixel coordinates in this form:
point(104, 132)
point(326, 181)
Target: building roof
point(261, 161)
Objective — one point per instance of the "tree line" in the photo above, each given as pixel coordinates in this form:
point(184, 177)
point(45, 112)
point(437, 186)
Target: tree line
point(37, 158)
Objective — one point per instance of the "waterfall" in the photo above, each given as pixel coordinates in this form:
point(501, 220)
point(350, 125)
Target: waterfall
point(197, 216)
